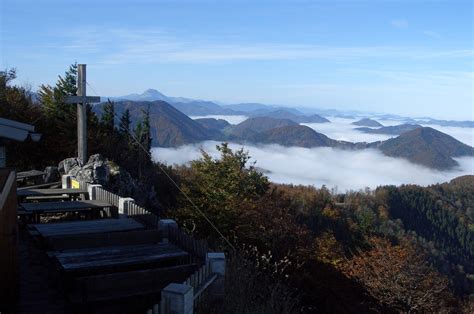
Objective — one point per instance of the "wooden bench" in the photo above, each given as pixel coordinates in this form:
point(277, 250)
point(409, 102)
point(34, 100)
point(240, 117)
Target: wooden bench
point(82, 241)
point(88, 206)
point(127, 284)
point(74, 228)
point(50, 194)
point(41, 186)
point(117, 258)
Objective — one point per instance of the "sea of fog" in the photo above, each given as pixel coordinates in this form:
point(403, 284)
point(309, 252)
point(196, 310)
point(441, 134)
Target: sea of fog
point(335, 168)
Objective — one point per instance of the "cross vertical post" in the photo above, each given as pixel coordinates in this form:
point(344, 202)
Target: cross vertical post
point(81, 114)
point(81, 100)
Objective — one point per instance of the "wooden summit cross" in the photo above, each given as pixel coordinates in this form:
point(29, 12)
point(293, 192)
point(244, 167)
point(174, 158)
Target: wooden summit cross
point(81, 100)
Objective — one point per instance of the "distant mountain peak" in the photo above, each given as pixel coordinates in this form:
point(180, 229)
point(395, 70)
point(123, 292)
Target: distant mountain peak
point(368, 123)
point(428, 147)
point(152, 91)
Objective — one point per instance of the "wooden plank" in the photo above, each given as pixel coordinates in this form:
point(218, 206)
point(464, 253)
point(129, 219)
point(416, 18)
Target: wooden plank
point(49, 192)
point(53, 207)
point(106, 257)
point(87, 227)
point(79, 99)
point(103, 239)
point(46, 198)
point(40, 186)
point(127, 284)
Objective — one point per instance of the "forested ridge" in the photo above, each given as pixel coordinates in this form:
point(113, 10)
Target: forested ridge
point(302, 248)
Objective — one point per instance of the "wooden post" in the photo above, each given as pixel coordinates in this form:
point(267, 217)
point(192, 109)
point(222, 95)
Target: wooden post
point(81, 114)
point(81, 100)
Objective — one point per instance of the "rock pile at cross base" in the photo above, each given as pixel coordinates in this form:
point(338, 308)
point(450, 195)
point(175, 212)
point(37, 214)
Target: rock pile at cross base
point(99, 170)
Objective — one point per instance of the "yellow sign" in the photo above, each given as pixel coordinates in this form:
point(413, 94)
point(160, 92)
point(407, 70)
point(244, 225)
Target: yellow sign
point(75, 184)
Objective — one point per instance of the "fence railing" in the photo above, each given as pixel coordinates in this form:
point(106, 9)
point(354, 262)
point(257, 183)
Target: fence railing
point(109, 197)
point(200, 280)
point(146, 217)
point(198, 247)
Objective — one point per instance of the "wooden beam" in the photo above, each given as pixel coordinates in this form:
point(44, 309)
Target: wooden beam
point(78, 99)
point(81, 114)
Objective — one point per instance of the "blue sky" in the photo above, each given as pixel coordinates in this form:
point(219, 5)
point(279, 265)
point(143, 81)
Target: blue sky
point(400, 56)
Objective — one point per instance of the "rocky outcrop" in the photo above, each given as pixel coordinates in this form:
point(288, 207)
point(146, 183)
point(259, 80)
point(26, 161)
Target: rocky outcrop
point(94, 171)
point(112, 177)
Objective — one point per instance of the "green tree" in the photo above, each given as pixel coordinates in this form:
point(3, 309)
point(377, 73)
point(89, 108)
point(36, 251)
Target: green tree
point(220, 188)
point(52, 98)
point(67, 85)
point(108, 117)
point(124, 124)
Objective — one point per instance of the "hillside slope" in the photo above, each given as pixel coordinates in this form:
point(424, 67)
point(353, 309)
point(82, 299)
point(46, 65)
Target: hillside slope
point(248, 129)
point(391, 130)
point(426, 146)
point(169, 126)
point(294, 135)
point(367, 122)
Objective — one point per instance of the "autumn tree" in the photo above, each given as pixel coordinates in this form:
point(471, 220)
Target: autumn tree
point(399, 276)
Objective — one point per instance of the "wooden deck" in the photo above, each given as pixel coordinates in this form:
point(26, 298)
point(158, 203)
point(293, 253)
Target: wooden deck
point(107, 265)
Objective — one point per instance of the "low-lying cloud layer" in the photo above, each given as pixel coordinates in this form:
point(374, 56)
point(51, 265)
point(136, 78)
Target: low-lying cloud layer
point(346, 170)
point(230, 119)
point(342, 130)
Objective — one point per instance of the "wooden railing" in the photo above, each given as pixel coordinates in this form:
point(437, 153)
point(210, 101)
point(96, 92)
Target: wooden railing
point(179, 237)
point(146, 217)
point(200, 280)
point(109, 197)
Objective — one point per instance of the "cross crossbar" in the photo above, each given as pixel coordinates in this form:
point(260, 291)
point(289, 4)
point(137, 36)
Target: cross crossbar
point(79, 99)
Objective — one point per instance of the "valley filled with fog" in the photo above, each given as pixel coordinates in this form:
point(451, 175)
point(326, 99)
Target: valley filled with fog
point(335, 168)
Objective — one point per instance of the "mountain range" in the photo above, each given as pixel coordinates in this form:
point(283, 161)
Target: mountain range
point(172, 128)
point(195, 107)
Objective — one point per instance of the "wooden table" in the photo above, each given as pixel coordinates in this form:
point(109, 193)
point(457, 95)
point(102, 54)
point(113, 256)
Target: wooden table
point(45, 193)
point(99, 259)
point(86, 227)
point(36, 209)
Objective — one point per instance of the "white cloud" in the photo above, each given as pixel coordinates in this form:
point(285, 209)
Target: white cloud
point(399, 23)
point(333, 167)
point(342, 129)
point(121, 46)
point(230, 119)
point(346, 170)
